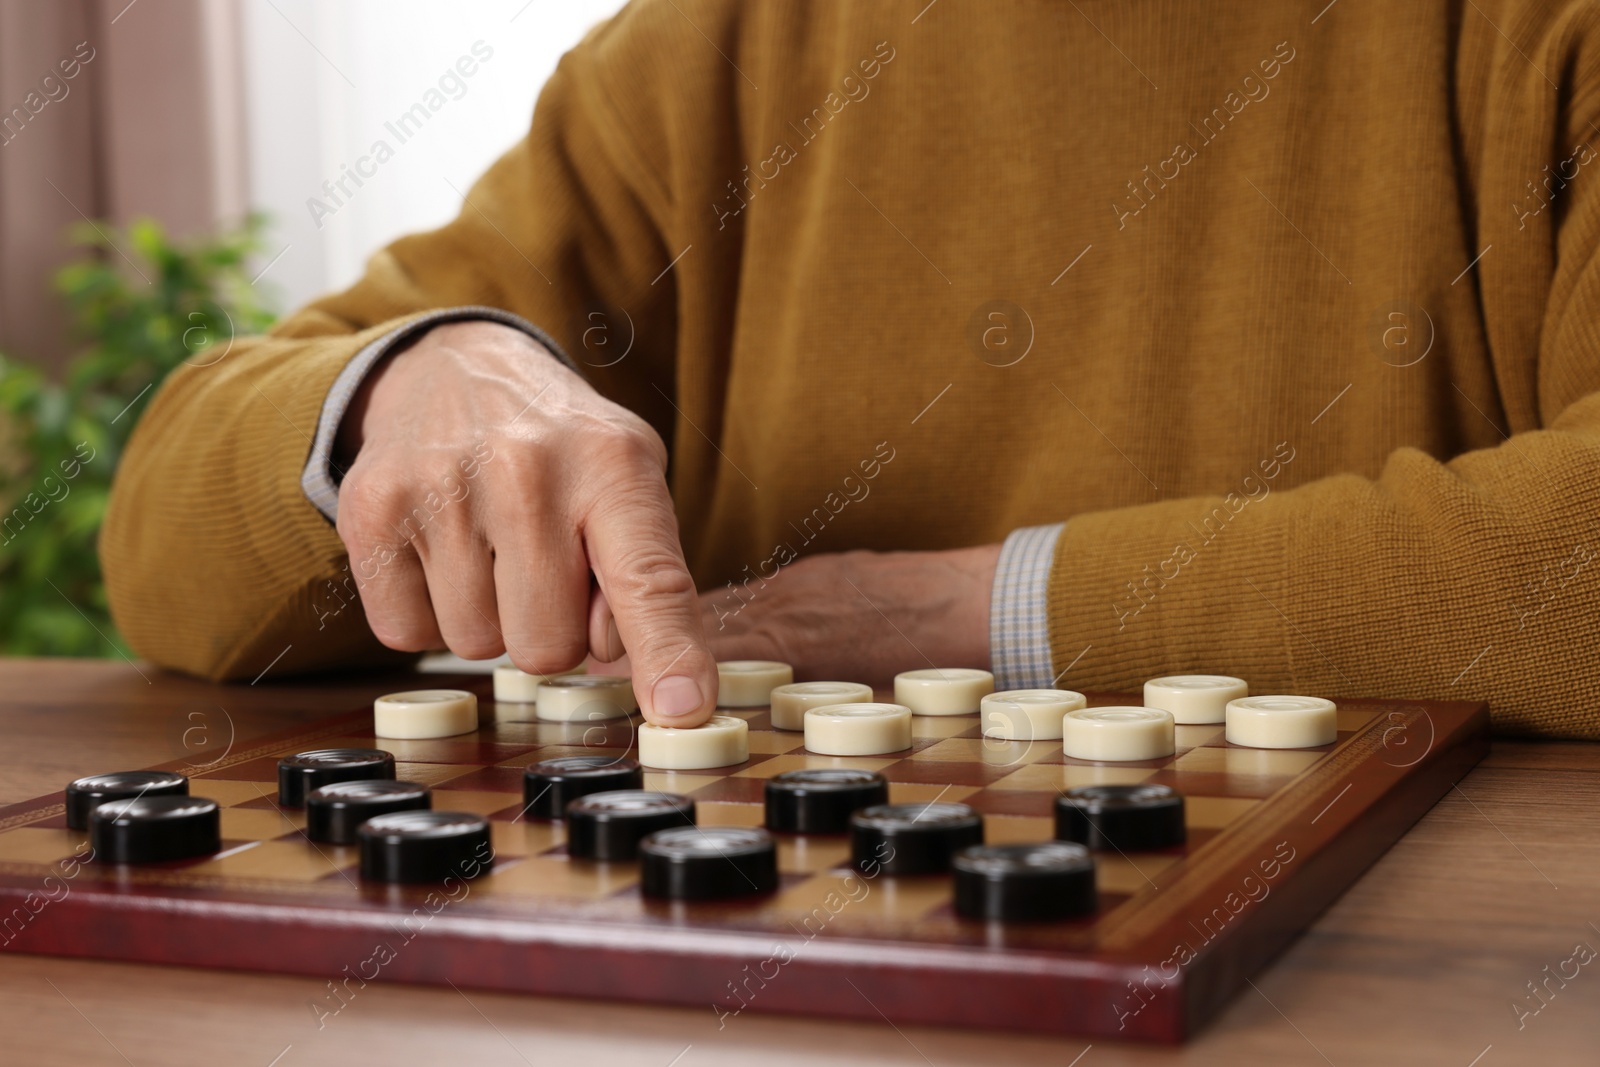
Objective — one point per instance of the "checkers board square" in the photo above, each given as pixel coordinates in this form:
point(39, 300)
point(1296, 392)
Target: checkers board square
point(260, 824)
point(526, 837)
point(229, 792)
point(769, 768)
point(281, 861)
point(30, 844)
point(558, 876)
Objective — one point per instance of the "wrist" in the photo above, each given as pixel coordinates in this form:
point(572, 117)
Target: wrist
point(977, 566)
point(938, 600)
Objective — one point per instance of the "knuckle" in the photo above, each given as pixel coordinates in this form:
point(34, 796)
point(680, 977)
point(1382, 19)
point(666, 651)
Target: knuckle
point(482, 645)
point(544, 652)
point(651, 575)
point(359, 510)
point(374, 486)
point(629, 442)
point(368, 505)
point(402, 635)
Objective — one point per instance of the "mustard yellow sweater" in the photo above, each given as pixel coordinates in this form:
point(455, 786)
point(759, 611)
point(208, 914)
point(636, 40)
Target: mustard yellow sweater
point(1294, 317)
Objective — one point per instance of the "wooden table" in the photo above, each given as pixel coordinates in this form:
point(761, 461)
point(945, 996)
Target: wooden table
point(1419, 964)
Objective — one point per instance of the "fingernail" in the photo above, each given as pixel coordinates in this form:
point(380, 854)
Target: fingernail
point(675, 697)
point(614, 646)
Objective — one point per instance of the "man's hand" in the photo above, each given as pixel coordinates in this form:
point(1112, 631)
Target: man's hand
point(485, 481)
point(860, 616)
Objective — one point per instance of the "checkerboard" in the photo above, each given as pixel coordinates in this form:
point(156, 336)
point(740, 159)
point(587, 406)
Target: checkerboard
point(1273, 837)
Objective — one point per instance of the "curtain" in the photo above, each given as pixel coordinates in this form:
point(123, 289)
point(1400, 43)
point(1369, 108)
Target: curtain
point(109, 110)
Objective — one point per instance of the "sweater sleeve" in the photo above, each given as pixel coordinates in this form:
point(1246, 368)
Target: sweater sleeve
point(1475, 576)
point(215, 561)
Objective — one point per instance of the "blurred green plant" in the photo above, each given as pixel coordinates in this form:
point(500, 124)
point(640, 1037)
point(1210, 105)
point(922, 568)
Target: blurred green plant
point(141, 304)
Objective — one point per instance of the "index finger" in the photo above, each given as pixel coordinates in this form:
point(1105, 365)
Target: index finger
point(632, 540)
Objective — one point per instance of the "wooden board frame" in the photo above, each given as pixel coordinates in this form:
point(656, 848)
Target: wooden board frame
point(1155, 966)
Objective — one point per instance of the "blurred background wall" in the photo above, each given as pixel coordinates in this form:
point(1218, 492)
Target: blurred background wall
point(194, 111)
point(312, 110)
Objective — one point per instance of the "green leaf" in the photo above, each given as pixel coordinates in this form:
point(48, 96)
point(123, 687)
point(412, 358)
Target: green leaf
point(133, 332)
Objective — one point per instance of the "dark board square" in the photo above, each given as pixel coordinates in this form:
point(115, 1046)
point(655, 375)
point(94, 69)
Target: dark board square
point(733, 791)
point(469, 748)
point(260, 769)
point(512, 812)
point(1221, 784)
point(490, 779)
point(945, 772)
point(1013, 802)
point(1057, 756)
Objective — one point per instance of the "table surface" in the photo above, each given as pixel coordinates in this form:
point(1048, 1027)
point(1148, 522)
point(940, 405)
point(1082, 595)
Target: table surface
point(1422, 962)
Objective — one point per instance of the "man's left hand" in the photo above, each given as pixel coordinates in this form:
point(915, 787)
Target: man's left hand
point(852, 616)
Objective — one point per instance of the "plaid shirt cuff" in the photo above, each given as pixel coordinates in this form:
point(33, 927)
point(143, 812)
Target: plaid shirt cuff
point(1019, 630)
point(320, 479)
